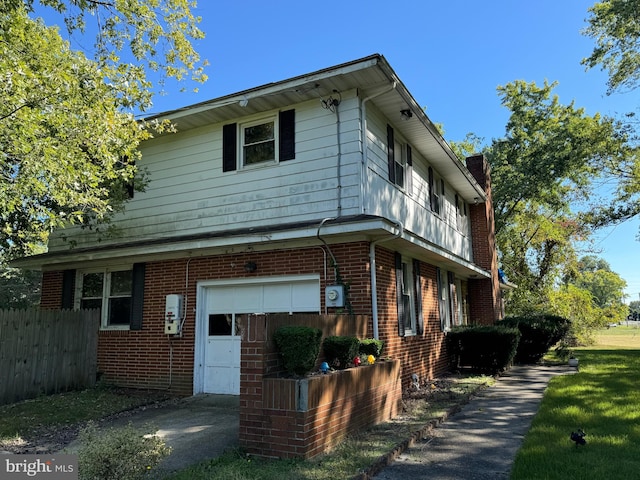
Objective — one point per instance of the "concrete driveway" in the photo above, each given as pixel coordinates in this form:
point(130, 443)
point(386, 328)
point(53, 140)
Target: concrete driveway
point(196, 428)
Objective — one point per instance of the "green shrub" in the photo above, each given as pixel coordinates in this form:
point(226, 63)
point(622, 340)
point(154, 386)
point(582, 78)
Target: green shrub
point(538, 334)
point(339, 352)
point(299, 347)
point(486, 348)
point(123, 453)
point(371, 346)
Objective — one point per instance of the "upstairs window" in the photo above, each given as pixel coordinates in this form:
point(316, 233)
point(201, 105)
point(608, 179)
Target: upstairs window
point(259, 142)
point(400, 161)
point(436, 193)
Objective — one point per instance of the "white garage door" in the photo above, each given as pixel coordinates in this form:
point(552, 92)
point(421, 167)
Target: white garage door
point(226, 307)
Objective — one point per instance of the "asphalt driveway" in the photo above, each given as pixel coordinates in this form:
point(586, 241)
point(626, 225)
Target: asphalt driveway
point(196, 428)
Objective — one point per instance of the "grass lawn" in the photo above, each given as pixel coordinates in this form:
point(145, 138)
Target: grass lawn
point(603, 399)
point(22, 421)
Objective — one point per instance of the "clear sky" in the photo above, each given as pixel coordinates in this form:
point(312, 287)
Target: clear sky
point(451, 56)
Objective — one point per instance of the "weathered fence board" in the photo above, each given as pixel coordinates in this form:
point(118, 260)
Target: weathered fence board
point(46, 351)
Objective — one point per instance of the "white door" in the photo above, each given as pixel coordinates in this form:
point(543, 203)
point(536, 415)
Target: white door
point(224, 316)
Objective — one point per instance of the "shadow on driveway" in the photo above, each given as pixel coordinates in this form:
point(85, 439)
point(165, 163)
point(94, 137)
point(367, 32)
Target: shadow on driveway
point(196, 428)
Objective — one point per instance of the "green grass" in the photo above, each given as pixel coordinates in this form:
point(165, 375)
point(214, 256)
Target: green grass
point(25, 418)
point(603, 399)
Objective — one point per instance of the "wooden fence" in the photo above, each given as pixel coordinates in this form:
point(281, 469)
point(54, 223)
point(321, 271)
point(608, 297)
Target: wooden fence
point(46, 351)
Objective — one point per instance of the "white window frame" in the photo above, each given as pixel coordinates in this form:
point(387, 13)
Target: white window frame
point(442, 281)
point(106, 296)
point(241, 142)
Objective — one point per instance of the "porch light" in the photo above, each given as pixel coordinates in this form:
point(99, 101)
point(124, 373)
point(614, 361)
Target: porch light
point(406, 114)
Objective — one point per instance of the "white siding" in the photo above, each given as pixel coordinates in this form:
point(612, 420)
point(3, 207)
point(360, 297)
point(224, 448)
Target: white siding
point(188, 193)
point(411, 208)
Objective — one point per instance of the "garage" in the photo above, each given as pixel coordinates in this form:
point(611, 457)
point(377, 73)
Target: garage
point(223, 307)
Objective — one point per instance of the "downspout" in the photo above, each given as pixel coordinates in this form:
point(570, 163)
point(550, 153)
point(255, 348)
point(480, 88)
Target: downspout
point(365, 143)
point(374, 283)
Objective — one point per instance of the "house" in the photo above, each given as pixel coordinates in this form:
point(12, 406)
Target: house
point(328, 192)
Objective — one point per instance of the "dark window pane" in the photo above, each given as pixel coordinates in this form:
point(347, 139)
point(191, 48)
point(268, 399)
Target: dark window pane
point(121, 283)
point(220, 324)
point(92, 284)
point(91, 303)
point(260, 152)
point(119, 311)
point(258, 133)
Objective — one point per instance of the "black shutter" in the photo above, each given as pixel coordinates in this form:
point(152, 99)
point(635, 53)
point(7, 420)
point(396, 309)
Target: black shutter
point(416, 272)
point(431, 192)
point(137, 296)
point(68, 285)
point(400, 299)
point(409, 179)
point(391, 155)
point(229, 148)
point(287, 133)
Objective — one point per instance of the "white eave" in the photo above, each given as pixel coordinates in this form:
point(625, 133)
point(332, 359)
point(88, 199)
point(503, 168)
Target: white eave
point(368, 75)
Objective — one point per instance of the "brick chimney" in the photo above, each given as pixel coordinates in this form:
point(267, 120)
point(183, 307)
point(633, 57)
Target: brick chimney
point(485, 305)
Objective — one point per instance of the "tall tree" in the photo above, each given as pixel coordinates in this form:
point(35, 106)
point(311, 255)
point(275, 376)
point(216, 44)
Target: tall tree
point(547, 161)
point(615, 26)
point(68, 135)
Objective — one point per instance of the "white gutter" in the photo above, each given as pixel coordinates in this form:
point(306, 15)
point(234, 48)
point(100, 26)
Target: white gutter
point(365, 143)
point(374, 283)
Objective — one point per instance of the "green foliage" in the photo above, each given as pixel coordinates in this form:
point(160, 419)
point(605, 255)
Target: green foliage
point(576, 304)
point(371, 346)
point(19, 289)
point(548, 159)
point(118, 453)
point(340, 351)
point(132, 38)
point(613, 24)
point(592, 297)
point(486, 348)
point(537, 335)
point(299, 347)
point(67, 128)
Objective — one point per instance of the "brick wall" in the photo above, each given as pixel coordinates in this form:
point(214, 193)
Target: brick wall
point(484, 294)
point(149, 359)
point(289, 418)
point(425, 354)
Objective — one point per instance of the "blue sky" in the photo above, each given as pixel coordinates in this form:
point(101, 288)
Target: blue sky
point(451, 56)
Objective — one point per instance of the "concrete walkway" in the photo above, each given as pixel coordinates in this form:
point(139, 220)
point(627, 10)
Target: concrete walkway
point(480, 442)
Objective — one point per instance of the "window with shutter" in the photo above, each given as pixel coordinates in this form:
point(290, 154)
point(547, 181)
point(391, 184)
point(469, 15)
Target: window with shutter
point(118, 294)
point(262, 141)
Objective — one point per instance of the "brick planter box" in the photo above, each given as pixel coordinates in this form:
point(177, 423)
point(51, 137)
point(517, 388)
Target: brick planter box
point(301, 418)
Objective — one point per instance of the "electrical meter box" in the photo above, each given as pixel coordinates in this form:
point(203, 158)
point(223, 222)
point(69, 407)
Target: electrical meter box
point(334, 296)
point(172, 314)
